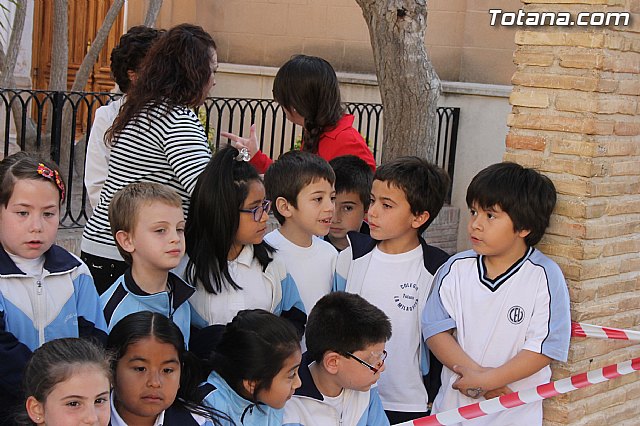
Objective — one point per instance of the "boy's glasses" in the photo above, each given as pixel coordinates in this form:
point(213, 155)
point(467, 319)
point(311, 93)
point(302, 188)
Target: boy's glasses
point(379, 364)
point(265, 207)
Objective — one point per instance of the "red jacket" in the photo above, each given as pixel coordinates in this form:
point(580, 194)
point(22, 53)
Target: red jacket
point(343, 139)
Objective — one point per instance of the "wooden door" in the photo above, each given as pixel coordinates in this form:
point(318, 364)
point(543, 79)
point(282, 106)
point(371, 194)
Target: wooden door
point(85, 18)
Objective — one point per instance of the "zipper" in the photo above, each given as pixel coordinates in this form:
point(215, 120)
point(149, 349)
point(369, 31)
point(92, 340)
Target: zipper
point(40, 316)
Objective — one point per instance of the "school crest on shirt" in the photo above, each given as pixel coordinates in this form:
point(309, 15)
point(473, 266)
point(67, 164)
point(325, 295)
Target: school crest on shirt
point(407, 298)
point(515, 314)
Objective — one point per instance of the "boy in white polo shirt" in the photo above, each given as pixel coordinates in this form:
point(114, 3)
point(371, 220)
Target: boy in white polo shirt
point(300, 184)
point(507, 302)
point(393, 269)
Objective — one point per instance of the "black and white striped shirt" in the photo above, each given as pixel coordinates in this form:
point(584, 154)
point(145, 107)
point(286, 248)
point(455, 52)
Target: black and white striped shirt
point(163, 146)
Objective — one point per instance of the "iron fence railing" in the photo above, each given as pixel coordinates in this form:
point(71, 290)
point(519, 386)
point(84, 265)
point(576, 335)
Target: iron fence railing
point(24, 115)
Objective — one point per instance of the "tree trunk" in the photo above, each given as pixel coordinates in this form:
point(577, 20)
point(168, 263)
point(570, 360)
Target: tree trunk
point(152, 13)
point(60, 39)
point(7, 80)
point(409, 85)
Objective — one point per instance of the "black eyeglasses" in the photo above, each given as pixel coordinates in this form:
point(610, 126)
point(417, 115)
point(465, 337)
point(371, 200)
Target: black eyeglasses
point(379, 364)
point(265, 207)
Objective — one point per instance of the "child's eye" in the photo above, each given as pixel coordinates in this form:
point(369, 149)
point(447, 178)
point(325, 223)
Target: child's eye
point(473, 212)
point(101, 401)
point(49, 214)
point(180, 230)
point(24, 214)
point(160, 231)
point(347, 208)
point(491, 215)
point(386, 206)
point(139, 369)
point(73, 403)
point(168, 370)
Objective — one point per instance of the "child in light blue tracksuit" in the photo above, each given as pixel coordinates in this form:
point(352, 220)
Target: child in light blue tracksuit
point(230, 265)
point(45, 292)
point(255, 369)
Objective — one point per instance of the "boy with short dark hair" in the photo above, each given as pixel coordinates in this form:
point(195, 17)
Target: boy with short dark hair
point(353, 189)
point(507, 302)
point(345, 356)
point(393, 269)
point(300, 186)
point(147, 223)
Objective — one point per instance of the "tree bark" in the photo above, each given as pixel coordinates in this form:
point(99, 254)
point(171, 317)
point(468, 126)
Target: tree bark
point(60, 39)
point(409, 85)
point(152, 13)
point(7, 80)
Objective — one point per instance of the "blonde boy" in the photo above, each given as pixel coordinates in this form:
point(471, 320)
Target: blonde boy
point(147, 223)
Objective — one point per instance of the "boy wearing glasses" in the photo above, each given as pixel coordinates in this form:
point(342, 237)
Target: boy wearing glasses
point(147, 223)
point(394, 268)
point(300, 185)
point(345, 356)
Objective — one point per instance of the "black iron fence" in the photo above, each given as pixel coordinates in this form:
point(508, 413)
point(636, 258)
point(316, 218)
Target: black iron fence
point(34, 120)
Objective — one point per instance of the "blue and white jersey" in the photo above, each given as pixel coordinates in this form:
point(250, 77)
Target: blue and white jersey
point(525, 308)
point(308, 407)
point(125, 297)
point(63, 302)
point(219, 395)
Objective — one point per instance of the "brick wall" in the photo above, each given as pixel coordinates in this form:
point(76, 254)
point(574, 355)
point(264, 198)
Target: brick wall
point(576, 117)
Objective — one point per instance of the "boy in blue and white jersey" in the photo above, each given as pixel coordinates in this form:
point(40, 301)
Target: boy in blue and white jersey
point(147, 223)
point(346, 337)
point(506, 301)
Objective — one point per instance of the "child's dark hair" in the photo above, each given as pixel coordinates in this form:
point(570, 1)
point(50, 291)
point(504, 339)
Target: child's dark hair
point(309, 85)
point(424, 184)
point(175, 71)
point(125, 206)
point(214, 218)
point(254, 346)
point(25, 166)
point(294, 170)
point(145, 324)
point(129, 53)
point(527, 196)
point(56, 361)
point(353, 174)
point(344, 322)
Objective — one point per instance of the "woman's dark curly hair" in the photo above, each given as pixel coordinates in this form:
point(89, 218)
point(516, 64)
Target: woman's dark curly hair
point(129, 53)
point(176, 71)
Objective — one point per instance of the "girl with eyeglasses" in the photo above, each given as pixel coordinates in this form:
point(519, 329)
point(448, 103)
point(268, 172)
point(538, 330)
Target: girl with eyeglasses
point(227, 260)
point(254, 369)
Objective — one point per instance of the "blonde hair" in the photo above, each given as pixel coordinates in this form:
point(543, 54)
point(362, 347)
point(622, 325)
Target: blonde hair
point(126, 204)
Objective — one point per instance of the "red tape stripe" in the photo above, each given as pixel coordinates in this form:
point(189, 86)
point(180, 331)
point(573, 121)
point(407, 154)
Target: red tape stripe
point(471, 411)
point(427, 421)
point(547, 390)
point(511, 400)
point(611, 372)
point(615, 334)
point(580, 380)
point(577, 331)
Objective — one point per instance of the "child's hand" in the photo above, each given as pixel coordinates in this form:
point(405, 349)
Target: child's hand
point(473, 382)
point(505, 390)
point(238, 142)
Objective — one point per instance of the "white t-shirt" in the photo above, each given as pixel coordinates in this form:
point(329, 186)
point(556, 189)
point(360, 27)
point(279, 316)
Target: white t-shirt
point(256, 293)
point(391, 284)
point(527, 307)
point(310, 267)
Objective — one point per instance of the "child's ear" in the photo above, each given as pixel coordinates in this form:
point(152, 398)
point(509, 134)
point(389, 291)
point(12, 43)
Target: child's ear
point(420, 219)
point(524, 233)
point(283, 206)
point(249, 385)
point(125, 241)
point(331, 362)
point(35, 410)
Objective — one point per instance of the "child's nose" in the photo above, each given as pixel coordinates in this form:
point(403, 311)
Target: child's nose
point(35, 224)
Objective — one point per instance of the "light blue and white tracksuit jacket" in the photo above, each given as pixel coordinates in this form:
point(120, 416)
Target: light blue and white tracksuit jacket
point(125, 297)
point(63, 303)
point(308, 408)
point(219, 395)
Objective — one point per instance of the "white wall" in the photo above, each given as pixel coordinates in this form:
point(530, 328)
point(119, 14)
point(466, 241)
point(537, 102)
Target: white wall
point(481, 132)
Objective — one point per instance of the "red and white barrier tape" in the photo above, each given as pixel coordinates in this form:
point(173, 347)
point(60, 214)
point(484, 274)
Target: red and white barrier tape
point(589, 330)
point(516, 399)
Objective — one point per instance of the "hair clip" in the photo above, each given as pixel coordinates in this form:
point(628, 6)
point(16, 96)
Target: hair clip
point(52, 175)
point(243, 155)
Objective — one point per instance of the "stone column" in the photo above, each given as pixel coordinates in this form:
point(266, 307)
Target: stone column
point(576, 118)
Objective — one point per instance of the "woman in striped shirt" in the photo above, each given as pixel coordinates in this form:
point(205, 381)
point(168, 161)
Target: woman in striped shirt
point(156, 136)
